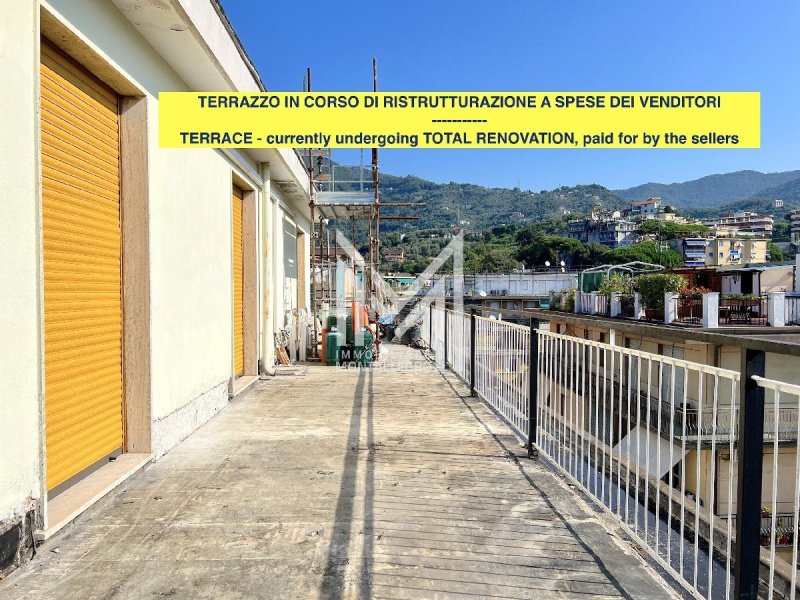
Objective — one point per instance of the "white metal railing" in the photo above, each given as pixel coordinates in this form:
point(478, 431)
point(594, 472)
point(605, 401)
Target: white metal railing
point(791, 304)
point(502, 369)
point(597, 424)
point(427, 328)
point(458, 334)
point(583, 302)
point(652, 438)
point(784, 481)
point(437, 335)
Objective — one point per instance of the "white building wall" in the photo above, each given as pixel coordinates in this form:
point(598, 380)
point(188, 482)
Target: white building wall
point(190, 248)
point(20, 412)
point(191, 275)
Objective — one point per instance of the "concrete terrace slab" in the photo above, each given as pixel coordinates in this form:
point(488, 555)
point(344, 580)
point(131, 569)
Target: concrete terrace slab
point(387, 483)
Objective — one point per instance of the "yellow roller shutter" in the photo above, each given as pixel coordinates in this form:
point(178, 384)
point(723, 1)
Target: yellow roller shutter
point(82, 267)
point(238, 284)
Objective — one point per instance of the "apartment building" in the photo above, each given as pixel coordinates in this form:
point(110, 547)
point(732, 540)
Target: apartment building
point(723, 251)
point(609, 231)
point(745, 222)
point(693, 250)
point(143, 285)
point(795, 227)
point(645, 209)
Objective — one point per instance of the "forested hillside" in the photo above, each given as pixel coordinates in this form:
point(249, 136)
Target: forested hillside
point(713, 190)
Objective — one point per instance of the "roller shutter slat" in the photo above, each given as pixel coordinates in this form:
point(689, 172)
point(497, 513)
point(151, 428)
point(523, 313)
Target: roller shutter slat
point(238, 282)
point(58, 127)
point(54, 107)
point(59, 150)
point(82, 268)
point(82, 144)
point(58, 193)
point(77, 172)
point(61, 94)
point(78, 77)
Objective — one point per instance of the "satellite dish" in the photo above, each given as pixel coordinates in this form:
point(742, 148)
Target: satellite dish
point(547, 263)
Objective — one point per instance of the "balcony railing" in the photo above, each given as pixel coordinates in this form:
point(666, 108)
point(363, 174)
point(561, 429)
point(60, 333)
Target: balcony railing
point(627, 306)
point(792, 308)
point(657, 441)
point(687, 309)
point(743, 311)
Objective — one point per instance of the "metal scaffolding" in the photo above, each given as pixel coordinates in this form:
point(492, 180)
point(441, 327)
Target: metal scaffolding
point(345, 197)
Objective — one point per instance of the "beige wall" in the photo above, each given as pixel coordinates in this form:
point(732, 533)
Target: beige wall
point(20, 409)
point(190, 233)
point(778, 280)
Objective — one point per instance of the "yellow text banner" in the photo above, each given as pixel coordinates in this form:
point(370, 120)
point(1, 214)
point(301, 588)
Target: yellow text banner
point(460, 120)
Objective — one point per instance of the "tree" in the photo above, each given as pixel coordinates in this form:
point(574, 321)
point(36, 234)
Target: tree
point(493, 258)
point(653, 286)
point(775, 253)
point(780, 231)
point(669, 230)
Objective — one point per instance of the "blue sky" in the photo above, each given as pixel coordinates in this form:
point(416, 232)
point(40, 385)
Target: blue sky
point(443, 45)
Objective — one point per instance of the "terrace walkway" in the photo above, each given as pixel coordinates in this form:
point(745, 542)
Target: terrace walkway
point(387, 483)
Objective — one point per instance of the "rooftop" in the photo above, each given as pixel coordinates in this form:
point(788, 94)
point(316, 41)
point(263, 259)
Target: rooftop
point(389, 482)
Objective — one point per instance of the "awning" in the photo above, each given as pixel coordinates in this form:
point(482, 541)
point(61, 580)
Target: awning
point(638, 438)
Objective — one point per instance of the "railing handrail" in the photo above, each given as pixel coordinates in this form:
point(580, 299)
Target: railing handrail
point(677, 362)
point(777, 386)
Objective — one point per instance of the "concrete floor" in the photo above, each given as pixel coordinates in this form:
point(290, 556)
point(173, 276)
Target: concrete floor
point(386, 483)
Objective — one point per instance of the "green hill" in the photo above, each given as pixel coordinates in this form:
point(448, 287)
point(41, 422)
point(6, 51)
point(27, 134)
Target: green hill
point(476, 207)
point(713, 190)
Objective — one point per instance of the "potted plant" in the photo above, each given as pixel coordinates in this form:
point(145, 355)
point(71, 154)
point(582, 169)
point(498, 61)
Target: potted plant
point(569, 301)
point(652, 287)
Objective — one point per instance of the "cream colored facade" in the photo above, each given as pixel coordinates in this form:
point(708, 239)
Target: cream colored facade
point(177, 232)
point(723, 251)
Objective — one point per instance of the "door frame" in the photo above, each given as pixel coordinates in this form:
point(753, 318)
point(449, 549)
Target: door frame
point(135, 240)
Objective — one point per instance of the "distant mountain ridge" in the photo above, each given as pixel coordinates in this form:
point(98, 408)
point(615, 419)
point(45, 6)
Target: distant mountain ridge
point(713, 190)
point(477, 207)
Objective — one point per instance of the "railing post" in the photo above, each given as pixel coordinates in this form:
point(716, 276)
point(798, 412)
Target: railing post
point(750, 451)
point(711, 310)
point(670, 307)
point(430, 326)
point(533, 387)
point(445, 334)
point(472, 321)
point(615, 302)
point(776, 309)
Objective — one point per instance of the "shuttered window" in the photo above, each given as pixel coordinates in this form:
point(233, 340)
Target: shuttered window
point(82, 267)
point(238, 282)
